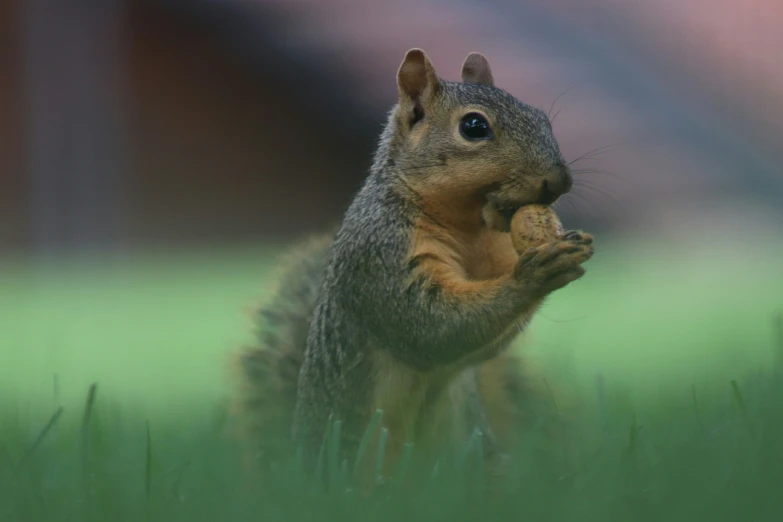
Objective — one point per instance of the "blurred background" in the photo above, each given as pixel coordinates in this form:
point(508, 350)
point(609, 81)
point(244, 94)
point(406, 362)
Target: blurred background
point(130, 123)
point(172, 146)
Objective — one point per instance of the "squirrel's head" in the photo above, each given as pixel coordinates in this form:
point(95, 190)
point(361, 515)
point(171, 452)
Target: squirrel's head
point(471, 141)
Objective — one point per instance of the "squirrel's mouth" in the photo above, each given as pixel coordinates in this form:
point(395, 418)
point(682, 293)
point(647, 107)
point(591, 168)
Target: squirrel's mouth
point(507, 211)
point(499, 212)
point(505, 207)
point(500, 208)
point(512, 202)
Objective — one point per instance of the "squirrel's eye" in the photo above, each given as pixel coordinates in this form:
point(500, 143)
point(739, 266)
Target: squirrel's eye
point(474, 126)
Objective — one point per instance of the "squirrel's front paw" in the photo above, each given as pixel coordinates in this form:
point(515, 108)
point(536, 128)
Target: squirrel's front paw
point(553, 265)
point(578, 237)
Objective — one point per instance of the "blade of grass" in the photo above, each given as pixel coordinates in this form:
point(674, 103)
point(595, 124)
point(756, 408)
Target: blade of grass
point(741, 404)
point(778, 340)
point(600, 390)
point(41, 436)
point(631, 452)
point(381, 456)
point(334, 454)
point(480, 475)
point(88, 407)
point(365, 442)
point(435, 472)
point(319, 468)
point(468, 448)
point(148, 465)
point(9, 460)
point(405, 460)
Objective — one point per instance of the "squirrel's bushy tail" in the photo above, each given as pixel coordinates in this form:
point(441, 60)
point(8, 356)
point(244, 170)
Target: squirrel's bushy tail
point(268, 369)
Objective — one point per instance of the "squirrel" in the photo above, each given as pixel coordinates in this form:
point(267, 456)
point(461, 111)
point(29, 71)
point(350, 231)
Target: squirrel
point(411, 305)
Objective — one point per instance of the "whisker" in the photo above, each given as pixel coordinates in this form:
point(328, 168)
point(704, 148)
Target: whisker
point(615, 207)
point(599, 190)
point(586, 201)
point(578, 172)
point(554, 102)
point(578, 206)
point(552, 120)
point(566, 200)
point(596, 152)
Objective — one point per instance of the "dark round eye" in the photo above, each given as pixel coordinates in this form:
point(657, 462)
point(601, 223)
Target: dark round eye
point(473, 126)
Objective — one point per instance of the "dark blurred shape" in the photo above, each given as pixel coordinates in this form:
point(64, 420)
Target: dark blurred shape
point(74, 82)
point(169, 122)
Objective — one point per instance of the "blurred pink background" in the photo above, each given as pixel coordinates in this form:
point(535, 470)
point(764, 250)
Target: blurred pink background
point(130, 123)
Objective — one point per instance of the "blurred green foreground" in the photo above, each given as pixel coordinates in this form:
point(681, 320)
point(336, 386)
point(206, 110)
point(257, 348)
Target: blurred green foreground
point(667, 326)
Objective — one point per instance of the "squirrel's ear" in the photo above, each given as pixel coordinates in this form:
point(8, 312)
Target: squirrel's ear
point(417, 80)
point(476, 70)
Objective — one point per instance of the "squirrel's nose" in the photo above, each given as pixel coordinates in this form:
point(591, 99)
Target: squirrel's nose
point(556, 182)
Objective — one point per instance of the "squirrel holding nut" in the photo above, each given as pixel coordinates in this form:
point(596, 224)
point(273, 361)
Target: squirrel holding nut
point(410, 307)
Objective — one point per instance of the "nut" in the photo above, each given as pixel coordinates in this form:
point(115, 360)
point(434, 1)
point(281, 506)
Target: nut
point(534, 225)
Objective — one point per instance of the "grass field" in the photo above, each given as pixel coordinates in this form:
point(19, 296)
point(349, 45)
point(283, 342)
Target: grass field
point(667, 325)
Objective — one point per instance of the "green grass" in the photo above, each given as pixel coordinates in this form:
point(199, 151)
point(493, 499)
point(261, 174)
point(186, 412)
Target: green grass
point(668, 326)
